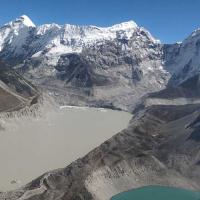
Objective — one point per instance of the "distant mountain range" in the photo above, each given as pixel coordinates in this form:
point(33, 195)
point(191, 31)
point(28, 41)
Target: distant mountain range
point(119, 67)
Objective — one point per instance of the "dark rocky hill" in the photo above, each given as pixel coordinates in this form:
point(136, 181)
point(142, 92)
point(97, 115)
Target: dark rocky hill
point(15, 91)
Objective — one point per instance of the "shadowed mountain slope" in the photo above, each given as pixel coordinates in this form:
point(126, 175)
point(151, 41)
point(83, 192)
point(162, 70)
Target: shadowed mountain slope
point(15, 91)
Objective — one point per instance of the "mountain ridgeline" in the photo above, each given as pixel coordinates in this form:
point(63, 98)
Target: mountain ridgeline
point(120, 67)
point(94, 66)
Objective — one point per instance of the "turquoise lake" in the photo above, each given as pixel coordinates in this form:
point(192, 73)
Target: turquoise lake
point(158, 193)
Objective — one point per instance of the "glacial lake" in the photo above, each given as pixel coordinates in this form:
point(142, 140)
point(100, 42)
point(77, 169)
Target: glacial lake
point(158, 193)
point(31, 146)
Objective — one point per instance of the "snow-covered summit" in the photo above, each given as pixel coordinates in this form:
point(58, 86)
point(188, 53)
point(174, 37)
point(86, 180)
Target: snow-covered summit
point(22, 21)
point(15, 33)
point(23, 38)
point(124, 25)
point(26, 21)
point(89, 33)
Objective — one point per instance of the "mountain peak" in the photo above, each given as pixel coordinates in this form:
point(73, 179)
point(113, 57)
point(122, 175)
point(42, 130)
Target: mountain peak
point(26, 21)
point(22, 21)
point(125, 25)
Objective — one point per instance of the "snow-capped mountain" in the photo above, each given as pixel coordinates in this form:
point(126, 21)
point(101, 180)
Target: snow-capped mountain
point(100, 66)
point(107, 66)
point(14, 34)
point(57, 39)
point(23, 37)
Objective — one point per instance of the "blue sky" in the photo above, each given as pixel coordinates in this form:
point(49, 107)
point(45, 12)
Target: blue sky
point(167, 20)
